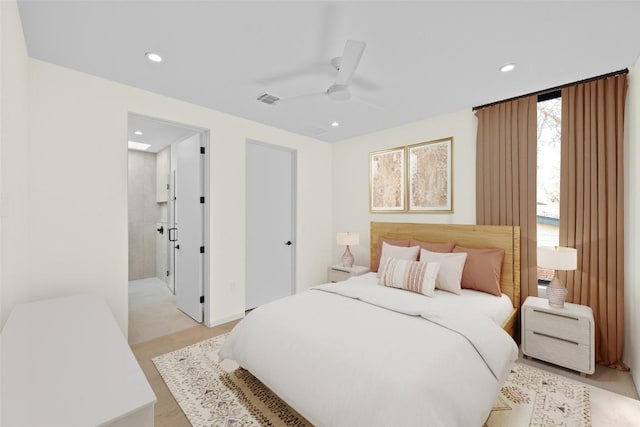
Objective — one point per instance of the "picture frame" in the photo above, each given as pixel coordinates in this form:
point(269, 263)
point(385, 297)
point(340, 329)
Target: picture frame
point(387, 180)
point(430, 176)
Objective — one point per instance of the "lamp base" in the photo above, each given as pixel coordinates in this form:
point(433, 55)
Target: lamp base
point(347, 258)
point(556, 292)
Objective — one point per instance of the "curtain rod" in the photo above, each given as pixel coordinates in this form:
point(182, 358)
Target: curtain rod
point(554, 89)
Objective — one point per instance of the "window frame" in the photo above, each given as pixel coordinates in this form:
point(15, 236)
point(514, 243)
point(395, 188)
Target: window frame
point(546, 96)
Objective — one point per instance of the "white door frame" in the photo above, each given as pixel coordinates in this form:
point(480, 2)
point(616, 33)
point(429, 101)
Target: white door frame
point(206, 283)
point(205, 142)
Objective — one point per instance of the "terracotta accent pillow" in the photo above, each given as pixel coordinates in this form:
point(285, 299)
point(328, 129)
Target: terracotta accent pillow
point(482, 269)
point(433, 247)
point(451, 266)
point(412, 276)
point(376, 262)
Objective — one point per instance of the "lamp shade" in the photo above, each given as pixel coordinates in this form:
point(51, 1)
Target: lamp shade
point(557, 258)
point(348, 238)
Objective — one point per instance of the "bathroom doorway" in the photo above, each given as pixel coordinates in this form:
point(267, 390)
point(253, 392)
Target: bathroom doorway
point(166, 211)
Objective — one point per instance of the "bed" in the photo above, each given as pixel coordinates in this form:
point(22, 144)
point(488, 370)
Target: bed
point(355, 353)
point(472, 236)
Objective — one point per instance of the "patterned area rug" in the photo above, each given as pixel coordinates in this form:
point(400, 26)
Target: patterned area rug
point(223, 394)
point(533, 397)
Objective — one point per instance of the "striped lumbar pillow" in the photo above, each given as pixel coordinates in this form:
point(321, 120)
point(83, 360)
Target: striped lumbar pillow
point(413, 276)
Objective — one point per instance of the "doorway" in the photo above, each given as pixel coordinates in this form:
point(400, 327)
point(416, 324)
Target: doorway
point(270, 223)
point(167, 234)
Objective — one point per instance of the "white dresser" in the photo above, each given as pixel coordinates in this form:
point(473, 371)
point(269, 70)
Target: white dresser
point(66, 363)
point(563, 336)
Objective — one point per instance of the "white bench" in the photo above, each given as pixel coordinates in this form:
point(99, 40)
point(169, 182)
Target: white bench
point(65, 362)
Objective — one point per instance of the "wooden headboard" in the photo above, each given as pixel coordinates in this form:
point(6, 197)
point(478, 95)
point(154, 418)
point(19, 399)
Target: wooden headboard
point(471, 236)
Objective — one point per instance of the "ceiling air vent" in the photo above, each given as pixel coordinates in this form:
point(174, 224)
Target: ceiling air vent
point(268, 99)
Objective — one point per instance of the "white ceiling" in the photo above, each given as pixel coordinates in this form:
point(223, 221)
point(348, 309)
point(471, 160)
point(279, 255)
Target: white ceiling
point(157, 133)
point(422, 58)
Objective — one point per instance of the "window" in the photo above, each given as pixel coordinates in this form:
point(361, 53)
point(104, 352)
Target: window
point(548, 175)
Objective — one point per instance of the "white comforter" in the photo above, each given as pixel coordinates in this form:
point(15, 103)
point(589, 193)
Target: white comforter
point(356, 354)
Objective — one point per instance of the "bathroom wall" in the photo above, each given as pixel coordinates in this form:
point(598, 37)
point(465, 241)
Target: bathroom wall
point(163, 169)
point(144, 213)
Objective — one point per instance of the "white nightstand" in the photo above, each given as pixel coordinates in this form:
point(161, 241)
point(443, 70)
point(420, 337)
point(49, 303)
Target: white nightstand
point(563, 336)
point(338, 272)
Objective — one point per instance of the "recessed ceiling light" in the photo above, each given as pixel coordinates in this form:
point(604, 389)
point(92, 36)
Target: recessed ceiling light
point(335, 124)
point(153, 57)
point(507, 67)
point(133, 145)
point(138, 132)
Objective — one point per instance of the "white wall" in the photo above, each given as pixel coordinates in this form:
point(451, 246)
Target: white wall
point(351, 176)
point(632, 225)
point(78, 190)
point(14, 192)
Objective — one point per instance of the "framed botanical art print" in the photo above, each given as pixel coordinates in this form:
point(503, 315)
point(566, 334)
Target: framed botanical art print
point(387, 180)
point(430, 176)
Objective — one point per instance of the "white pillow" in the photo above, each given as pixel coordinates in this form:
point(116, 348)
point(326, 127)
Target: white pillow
point(398, 252)
point(413, 276)
point(451, 266)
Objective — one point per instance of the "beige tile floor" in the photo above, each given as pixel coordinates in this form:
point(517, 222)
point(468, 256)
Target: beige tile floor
point(153, 312)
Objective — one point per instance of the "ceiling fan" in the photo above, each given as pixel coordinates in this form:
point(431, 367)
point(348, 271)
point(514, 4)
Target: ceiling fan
point(346, 66)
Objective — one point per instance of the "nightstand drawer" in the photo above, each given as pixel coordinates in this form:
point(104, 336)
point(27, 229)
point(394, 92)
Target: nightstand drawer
point(337, 275)
point(556, 350)
point(567, 326)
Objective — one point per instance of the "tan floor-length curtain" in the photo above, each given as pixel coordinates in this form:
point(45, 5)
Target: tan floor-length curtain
point(591, 205)
point(506, 176)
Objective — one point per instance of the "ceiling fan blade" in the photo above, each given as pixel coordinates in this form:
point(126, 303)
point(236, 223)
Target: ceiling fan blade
point(297, 98)
point(321, 69)
point(367, 103)
point(332, 22)
point(353, 50)
point(365, 84)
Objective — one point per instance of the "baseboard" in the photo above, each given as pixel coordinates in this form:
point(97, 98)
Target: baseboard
point(635, 380)
point(227, 319)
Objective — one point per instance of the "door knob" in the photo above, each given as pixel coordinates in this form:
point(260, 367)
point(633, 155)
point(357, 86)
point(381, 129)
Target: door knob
point(160, 230)
point(288, 243)
point(177, 246)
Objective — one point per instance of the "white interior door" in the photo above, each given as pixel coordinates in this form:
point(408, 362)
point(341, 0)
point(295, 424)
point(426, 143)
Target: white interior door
point(270, 223)
point(189, 222)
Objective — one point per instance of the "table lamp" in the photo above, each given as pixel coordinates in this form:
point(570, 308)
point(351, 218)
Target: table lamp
point(557, 258)
point(347, 239)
